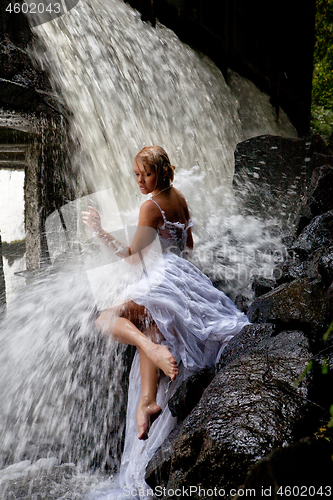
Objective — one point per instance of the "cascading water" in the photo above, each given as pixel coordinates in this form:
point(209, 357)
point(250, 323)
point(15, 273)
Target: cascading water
point(127, 85)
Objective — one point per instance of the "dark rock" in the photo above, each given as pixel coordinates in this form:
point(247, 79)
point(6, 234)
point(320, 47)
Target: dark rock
point(301, 302)
point(189, 393)
point(321, 190)
point(318, 234)
point(304, 467)
point(325, 267)
point(319, 198)
point(251, 407)
point(241, 302)
point(317, 146)
point(249, 340)
point(330, 145)
point(260, 286)
point(296, 267)
point(309, 253)
point(272, 174)
point(252, 339)
point(330, 303)
point(318, 159)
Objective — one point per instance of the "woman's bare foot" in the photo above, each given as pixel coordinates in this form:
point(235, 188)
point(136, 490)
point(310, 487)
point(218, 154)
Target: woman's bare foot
point(163, 359)
point(146, 415)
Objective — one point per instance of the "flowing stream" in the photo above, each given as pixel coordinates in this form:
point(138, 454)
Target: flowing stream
point(127, 85)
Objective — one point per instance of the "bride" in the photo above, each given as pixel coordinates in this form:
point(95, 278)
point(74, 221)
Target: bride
point(181, 324)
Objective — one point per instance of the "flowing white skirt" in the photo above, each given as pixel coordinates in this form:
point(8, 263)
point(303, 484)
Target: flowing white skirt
point(197, 321)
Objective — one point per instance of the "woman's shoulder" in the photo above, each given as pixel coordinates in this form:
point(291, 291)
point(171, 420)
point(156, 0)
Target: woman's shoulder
point(182, 201)
point(150, 213)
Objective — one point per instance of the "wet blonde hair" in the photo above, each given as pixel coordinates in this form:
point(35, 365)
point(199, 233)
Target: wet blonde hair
point(157, 159)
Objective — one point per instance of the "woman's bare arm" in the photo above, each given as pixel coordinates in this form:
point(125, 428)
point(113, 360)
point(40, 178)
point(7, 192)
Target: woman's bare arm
point(92, 219)
point(144, 235)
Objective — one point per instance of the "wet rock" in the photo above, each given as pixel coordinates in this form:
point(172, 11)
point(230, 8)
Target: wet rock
point(250, 408)
point(330, 145)
point(325, 267)
point(301, 302)
point(330, 303)
point(296, 267)
point(262, 285)
point(190, 392)
point(304, 467)
point(321, 190)
point(272, 173)
point(316, 235)
point(319, 159)
point(319, 198)
point(252, 339)
point(308, 254)
point(241, 302)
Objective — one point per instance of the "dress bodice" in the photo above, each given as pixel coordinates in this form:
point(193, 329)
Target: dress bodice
point(173, 235)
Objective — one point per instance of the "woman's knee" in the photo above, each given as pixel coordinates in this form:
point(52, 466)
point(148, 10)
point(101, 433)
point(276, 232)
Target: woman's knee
point(105, 322)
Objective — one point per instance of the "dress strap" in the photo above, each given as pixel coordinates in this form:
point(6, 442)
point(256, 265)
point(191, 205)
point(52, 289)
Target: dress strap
point(162, 211)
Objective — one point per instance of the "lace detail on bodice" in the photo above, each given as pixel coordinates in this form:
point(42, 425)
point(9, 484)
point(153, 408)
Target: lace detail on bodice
point(173, 235)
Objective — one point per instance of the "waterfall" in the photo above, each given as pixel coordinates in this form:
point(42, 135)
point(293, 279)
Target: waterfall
point(127, 85)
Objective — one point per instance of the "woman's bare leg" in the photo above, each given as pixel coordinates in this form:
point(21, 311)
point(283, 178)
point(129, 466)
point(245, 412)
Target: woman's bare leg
point(120, 322)
point(148, 409)
point(124, 331)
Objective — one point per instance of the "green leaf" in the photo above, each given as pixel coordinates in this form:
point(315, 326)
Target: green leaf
point(304, 374)
point(324, 368)
point(329, 331)
point(330, 423)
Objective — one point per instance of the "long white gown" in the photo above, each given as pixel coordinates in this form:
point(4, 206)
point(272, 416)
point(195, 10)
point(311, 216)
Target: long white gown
point(197, 321)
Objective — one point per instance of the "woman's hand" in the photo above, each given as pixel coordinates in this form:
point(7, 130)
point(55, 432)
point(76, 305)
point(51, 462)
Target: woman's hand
point(92, 219)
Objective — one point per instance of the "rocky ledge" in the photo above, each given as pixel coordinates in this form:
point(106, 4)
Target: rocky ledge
point(258, 419)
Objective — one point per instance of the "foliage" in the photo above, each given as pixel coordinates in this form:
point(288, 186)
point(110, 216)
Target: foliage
point(330, 423)
point(322, 85)
point(322, 121)
point(324, 369)
point(329, 331)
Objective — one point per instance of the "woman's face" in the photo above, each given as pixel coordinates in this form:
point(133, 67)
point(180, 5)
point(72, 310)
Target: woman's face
point(145, 177)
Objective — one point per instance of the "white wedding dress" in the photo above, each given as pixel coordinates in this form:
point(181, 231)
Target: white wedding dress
point(197, 320)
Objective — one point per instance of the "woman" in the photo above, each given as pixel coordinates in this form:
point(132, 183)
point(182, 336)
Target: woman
point(182, 321)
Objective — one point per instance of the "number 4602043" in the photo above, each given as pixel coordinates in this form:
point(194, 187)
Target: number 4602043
point(304, 491)
point(34, 8)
